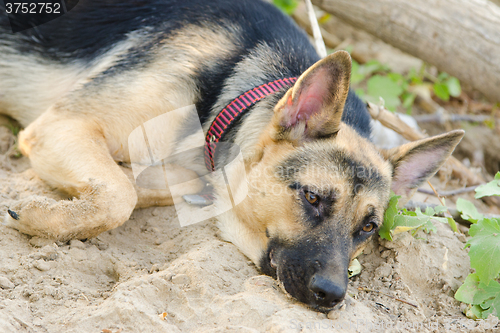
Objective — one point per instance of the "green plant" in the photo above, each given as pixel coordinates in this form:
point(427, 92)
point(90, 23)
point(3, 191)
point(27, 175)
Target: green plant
point(397, 89)
point(13, 128)
point(481, 289)
point(401, 220)
point(445, 86)
point(287, 6)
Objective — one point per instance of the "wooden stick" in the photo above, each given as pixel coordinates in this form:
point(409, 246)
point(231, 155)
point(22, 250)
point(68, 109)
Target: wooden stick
point(449, 193)
point(442, 118)
point(390, 296)
point(452, 223)
point(318, 39)
point(412, 205)
point(331, 40)
point(437, 195)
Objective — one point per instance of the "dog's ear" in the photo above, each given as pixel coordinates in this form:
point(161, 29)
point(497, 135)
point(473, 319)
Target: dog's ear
point(415, 162)
point(313, 107)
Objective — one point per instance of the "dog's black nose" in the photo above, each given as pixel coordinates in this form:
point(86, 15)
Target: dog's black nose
point(326, 292)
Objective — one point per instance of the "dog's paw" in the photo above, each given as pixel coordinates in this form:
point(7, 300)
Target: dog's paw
point(27, 215)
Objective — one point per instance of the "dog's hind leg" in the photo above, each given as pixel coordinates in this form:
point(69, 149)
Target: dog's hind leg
point(70, 153)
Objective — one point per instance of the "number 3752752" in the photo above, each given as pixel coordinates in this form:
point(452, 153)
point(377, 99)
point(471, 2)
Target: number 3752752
point(32, 8)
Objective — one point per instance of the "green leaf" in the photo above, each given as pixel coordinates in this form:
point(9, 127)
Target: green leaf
point(429, 226)
point(387, 89)
point(429, 211)
point(373, 66)
point(396, 77)
point(474, 312)
point(442, 76)
point(441, 91)
point(287, 6)
point(408, 212)
point(454, 86)
point(404, 223)
point(325, 18)
point(467, 291)
point(360, 92)
point(396, 222)
point(390, 213)
point(356, 75)
point(491, 188)
point(452, 223)
point(440, 219)
point(415, 77)
point(440, 209)
point(488, 297)
point(485, 248)
point(490, 123)
point(468, 210)
point(408, 99)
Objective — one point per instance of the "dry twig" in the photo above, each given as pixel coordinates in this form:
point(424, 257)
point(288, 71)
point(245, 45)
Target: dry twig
point(390, 296)
point(442, 118)
point(451, 222)
point(457, 216)
point(330, 40)
point(318, 39)
point(449, 193)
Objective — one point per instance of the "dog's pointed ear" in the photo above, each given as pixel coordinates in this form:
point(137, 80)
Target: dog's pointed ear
point(415, 162)
point(313, 107)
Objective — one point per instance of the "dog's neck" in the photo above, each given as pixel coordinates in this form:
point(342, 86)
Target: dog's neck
point(233, 112)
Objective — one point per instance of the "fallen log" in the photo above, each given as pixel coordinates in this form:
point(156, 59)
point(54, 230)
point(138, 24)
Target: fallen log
point(460, 37)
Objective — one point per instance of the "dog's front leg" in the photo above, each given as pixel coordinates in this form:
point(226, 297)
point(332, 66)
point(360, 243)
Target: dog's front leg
point(149, 191)
point(70, 153)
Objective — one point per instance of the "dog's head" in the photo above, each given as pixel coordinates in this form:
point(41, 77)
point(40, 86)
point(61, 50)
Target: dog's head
point(318, 190)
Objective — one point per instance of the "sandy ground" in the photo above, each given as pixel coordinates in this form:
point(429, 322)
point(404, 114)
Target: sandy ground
point(151, 275)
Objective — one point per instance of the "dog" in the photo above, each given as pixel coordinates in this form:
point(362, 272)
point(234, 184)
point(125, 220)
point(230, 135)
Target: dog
point(317, 187)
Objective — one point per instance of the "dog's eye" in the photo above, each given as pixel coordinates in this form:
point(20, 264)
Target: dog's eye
point(312, 198)
point(369, 227)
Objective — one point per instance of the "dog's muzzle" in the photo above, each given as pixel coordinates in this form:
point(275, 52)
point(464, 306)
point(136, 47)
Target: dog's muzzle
point(308, 274)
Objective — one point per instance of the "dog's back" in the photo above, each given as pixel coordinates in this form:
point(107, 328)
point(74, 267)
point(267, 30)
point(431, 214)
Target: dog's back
point(222, 48)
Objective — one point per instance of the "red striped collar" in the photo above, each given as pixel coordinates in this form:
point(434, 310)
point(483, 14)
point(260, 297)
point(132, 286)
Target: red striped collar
point(234, 110)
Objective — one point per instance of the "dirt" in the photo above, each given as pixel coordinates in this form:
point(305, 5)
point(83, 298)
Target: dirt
point(151, 275)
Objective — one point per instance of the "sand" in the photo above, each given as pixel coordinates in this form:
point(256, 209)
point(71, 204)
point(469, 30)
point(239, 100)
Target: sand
point(151, 275)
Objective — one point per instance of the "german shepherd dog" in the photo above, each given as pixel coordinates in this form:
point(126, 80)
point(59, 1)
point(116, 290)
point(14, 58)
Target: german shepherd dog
point(317, 187)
